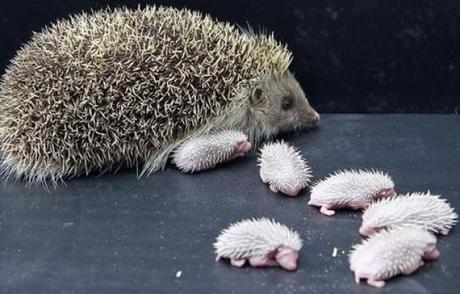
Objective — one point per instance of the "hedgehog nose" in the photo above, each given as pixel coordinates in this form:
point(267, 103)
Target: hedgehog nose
point(316, 118)
point(365, 230)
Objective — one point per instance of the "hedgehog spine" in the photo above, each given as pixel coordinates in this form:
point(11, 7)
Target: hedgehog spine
point(424, 210)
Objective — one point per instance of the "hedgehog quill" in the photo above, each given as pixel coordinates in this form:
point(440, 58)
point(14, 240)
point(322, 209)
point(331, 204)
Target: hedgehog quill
point(421, 210)
point(127, 87)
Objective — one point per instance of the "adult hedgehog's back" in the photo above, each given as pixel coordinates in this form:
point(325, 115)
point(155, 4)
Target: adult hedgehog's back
point(122, 86)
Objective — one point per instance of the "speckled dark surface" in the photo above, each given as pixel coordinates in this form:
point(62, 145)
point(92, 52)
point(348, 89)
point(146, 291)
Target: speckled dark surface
point(115, 234)
point(351, 56)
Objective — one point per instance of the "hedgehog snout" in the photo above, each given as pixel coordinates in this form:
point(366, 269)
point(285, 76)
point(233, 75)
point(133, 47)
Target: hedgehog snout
point(366, 230)
point(292, 190)
point(431, 253)
point(312, 118)
point(386, 193)
point(287, 258)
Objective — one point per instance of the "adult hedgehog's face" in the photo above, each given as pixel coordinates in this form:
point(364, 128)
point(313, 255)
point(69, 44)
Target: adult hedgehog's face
point(280, 105)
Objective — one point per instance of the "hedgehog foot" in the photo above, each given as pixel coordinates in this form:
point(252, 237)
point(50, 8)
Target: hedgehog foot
point(237, 262)
point(376, 283)
point(326, 211)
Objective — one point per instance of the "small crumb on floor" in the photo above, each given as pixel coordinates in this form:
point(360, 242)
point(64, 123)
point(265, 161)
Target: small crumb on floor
point(66, 225)
point(178, 274)
point(334, 252)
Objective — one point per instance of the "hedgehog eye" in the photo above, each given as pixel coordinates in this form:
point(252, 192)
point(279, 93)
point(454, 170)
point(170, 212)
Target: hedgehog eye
point(287, 103)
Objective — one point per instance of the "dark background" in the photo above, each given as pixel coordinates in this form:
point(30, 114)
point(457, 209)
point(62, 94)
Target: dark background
point(350, 56)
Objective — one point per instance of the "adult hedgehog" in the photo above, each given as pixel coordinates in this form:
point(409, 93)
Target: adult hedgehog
point(118, 87)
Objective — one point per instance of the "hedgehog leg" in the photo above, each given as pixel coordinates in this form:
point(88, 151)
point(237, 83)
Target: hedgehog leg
point(237, 262)
point(326, 211)
point(376, 283)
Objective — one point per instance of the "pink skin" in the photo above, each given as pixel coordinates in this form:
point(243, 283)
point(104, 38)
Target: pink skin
point(444, 232)
point(287, 258)
point(329, 209)
point(366, 230)
point(385, 193)
point(241, 149)
point(284, 256)
point(290, 191)
point(431, 253)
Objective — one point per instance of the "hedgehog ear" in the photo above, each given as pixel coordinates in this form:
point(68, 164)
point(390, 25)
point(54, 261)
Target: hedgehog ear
point(257, 96)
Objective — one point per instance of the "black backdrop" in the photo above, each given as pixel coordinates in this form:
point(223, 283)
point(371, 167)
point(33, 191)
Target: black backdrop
point(350, 56)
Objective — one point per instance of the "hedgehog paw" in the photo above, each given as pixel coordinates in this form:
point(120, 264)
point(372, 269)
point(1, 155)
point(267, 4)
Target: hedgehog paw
point(376, 283)
point(326, 211)
point(238, 262)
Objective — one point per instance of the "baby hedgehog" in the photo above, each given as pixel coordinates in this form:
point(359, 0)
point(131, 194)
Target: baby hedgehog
point(283, 168)
point(422, 210)
point(353, 189)
point(389, 253)
point(204, 152)
point(120, 87)
point(262, 241)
